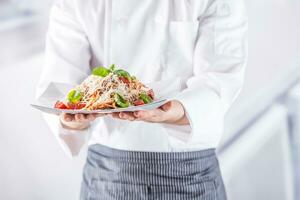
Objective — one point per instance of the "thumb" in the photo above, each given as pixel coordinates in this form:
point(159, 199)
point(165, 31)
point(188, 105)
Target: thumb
point(167, 106)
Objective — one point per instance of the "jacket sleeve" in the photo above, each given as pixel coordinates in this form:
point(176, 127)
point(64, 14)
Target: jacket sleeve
point(66, 61)
point(218, 69)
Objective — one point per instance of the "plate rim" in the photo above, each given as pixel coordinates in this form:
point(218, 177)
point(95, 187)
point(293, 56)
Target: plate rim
point(37, 106)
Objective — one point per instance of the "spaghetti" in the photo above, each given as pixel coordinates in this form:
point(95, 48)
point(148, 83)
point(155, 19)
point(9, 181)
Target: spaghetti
point(107, 88)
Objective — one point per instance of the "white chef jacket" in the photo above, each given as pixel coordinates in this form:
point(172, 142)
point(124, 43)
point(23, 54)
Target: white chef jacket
point(202, 44)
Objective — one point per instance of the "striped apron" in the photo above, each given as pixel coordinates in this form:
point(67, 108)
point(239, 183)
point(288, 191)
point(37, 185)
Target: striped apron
point(111, 174)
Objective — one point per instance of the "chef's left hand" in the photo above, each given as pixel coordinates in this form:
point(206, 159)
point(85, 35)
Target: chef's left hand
point(172, 113)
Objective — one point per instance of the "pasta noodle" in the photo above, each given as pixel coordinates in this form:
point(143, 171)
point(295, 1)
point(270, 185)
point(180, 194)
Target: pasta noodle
point(116, 89)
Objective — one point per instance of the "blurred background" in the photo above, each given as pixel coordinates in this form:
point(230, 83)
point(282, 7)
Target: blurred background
point(260, 150)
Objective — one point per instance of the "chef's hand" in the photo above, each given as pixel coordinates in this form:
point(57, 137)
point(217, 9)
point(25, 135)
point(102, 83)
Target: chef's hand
point(172, 113)
point(78, 121)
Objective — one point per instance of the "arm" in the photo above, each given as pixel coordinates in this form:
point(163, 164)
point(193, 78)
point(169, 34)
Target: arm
point(219, 63)
point(66, 61)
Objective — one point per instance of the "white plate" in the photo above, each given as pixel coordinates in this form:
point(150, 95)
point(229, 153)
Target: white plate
point(163, 90)
point(150, 106)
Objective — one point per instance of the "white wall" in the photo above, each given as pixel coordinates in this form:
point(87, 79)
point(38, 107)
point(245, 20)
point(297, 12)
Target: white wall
point(32, 165)
point(274, 57)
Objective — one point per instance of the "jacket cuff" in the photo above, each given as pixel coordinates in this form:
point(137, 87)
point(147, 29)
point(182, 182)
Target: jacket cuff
point(203, 108)
point(71, 141)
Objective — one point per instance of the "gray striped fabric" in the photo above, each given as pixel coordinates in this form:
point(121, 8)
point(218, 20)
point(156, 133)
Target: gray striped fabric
point(111, 174)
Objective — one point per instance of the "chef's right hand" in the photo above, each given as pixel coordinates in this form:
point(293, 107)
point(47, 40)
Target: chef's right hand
point(78, 121)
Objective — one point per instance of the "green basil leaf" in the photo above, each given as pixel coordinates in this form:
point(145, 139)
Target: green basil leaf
point(121, 72)
point(112, 68)
point(146, 99)
point(101, 71)
point(74, 96)
point(120, 101)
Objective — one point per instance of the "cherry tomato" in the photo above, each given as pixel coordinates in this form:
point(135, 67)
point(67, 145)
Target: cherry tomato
point(150, 93)
point(125, 80)
point(138, 102)
point(60, 105)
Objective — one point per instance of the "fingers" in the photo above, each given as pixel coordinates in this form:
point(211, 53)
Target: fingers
point(167, 106)
point(168, 112)
point(165, 113)
point(156, 115)
point(124, 116)
point(127, 116)
point(67, 117)
point(80, 117)
point(115, 115)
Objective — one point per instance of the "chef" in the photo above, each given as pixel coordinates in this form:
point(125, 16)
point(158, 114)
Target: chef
point(168, 152)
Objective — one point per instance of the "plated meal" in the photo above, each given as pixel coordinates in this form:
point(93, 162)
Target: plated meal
point(107, 88)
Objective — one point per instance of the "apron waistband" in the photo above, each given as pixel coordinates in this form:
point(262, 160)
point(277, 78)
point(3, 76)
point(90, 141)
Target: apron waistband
point(99, 151)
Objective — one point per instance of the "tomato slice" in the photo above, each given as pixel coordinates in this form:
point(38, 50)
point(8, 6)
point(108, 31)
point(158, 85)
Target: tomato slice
point(71, 106)
point(80, 106)
point(76, 106)
point(60, 105)
point(125, 80)
point(138, 102)
point(150, 93)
